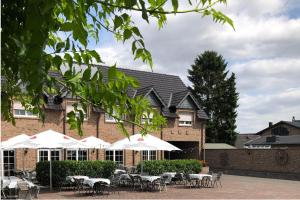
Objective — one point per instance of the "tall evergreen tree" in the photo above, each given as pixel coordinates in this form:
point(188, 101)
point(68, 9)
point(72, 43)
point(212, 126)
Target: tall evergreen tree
point(215, 89)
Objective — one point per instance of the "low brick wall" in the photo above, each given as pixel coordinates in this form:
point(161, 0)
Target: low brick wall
point(273, 163)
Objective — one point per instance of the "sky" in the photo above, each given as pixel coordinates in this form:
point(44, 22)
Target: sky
point(263, 52)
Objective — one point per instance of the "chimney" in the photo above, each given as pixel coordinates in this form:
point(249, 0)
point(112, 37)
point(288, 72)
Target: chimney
point(270, 124)
point(293, 119)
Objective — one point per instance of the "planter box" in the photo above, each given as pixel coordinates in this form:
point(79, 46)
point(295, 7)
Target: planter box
point(204, 170)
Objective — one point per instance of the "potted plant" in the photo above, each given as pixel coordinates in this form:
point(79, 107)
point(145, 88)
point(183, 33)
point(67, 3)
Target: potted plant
point(205, 167)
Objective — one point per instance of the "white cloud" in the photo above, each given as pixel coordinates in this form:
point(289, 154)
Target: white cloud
point(264, 52)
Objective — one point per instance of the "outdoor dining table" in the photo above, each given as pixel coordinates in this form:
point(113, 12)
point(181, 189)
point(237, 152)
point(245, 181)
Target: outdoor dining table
point(91, 181)
point(71, 178)
point(200, 176)
point(150, 178)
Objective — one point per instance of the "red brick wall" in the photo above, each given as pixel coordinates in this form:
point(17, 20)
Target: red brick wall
point(260, 160)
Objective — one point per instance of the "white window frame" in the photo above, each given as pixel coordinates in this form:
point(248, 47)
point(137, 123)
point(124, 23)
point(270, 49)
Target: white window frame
point(146, 118)
point(186, 122)
point(77, 154)
point(114, 156)
point(148, 155)
point(109, 118)
point(49, 153)
point(70, 108)
point(27, 114)
point(9, 163)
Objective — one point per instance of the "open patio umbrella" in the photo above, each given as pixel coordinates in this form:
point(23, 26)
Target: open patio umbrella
point(95, 143)
point(12, 141)
point(138, 142)
point(50, 140)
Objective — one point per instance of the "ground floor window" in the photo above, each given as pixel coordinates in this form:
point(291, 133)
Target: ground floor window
point(44, 154)
point(149, 155)
point(9, 162)
point(74, 154)
point(116, 156)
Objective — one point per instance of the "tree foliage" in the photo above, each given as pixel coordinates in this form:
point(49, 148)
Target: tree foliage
point(215, 89)
point(43, 35)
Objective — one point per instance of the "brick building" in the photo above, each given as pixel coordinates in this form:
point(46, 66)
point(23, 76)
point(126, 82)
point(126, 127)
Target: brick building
point(185, 125)
point(282, 134)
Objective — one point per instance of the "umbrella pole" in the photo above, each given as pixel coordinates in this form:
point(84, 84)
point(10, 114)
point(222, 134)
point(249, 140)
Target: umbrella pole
point(50, 172)
point(141, 162)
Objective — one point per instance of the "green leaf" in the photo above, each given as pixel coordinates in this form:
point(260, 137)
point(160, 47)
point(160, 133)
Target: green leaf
point(118, 21)
point(69, 59)
point(57, 62)
point(136, 31)
point(126, 34)
point(144, 11)
point(96, 56)
point(175, 5)
point(130, 3)
point(112, 72)
point(59, 46)
point(87, 74)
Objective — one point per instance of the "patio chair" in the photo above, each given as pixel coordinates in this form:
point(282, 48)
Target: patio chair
point(205, 181)
point(100, 187)
point(80, 187)
point(24, 191)
point(114, 184)
point(189, 181)
point(178, 179)
point(137, 182)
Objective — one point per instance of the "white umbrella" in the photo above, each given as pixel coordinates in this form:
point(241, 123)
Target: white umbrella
point(95, 143)
point(8, 144)
point(14, 140)
point(138, 142)
point(50, 140)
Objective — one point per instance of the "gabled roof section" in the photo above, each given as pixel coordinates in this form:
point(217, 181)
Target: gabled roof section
point(280, 140)
point(201, 114)
point(179, 97)
point(295, 123)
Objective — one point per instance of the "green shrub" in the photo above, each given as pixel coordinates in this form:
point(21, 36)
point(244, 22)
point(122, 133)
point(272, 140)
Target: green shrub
point(62, 169)
point(157, 167)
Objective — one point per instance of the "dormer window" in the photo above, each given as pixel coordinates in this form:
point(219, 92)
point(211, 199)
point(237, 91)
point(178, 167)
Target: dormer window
point(185, 119)
point(70, 108)
point(19, 111)
point(147, 118)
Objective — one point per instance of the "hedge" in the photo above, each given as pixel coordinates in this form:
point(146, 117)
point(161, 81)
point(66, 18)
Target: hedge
point(157, 167)
point(62, 169)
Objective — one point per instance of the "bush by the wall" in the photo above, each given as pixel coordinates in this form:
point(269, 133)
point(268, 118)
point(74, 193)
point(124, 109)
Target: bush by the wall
point(157, 167)
point(62, 169)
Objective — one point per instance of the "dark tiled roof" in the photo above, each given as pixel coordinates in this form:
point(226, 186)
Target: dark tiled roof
point(280, 140)
point(177, 97)
point(241, 139)
point(166, 113)
point(164, 84)
point(143, 91)
point(201, 114)
point(294, 123)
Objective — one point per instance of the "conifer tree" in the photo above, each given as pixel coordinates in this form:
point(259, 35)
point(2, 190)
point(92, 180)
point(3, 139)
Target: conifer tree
point(215, 90)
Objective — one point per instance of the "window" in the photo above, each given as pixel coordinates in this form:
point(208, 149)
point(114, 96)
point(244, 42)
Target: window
point(280, 130)
point(43, 155)
point(19, 111)
point(109, 118)
point(147, 118)
point(185, 119)
point(116, 156)
point(71, 154)
point(9, 162)
point(149, 155)
point(74, 154)
point(82, 154)
point(70, 108)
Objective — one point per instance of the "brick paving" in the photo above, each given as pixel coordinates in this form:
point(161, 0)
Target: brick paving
point(234, 187)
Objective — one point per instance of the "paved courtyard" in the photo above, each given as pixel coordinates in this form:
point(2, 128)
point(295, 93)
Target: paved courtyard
point(234, 187)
